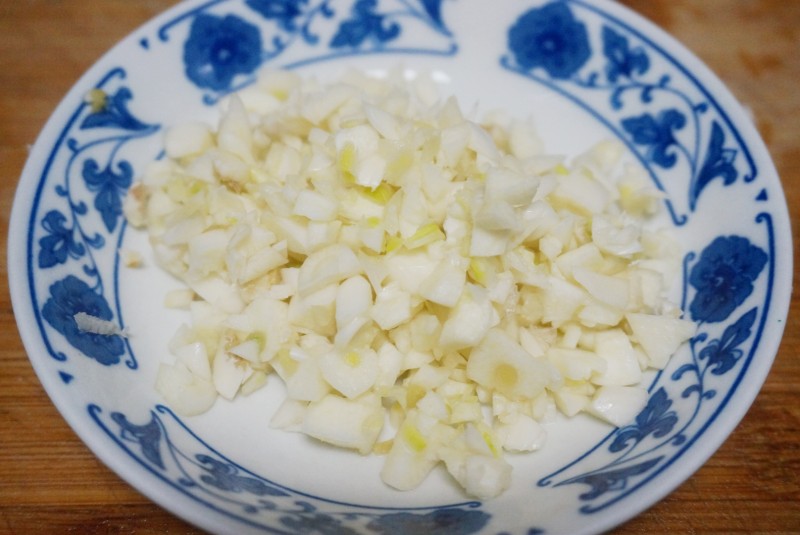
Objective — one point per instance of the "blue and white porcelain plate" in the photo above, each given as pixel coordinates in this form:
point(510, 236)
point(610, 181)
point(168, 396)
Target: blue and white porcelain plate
point(586, 70)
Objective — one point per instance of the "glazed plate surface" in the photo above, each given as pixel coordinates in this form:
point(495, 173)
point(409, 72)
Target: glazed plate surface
point(584, 70)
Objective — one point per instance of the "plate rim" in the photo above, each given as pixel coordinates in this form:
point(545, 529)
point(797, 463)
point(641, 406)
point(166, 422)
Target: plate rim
point(715, 436)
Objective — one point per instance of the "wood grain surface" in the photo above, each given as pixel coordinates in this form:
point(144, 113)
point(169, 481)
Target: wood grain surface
point(51, 483)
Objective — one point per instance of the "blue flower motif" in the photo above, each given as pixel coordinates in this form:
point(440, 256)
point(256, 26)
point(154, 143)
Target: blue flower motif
point(114, 113)
point(312, 523)
point(434, 10)
point(724, 276)
point(283, 11)
point(363, 24)
point(622, 60)
point(656, 133)
point(225, 476)
point(109, 187)
point(439, 522)
point(718, 163)
point(655, 419)
point(219, 49)
point(148, 436)
point(611, 480)
point(59, 243)
point(70, 296)
point(550, 37)
point(723, 354)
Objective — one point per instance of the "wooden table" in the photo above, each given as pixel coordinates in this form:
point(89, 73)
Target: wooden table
point(51, 483)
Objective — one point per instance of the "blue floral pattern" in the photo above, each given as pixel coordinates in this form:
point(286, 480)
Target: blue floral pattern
point(95, 175)
point(112, 112)
point(657, 134)
point(365, 24)
point(109, 186)
point(551, 38)
point(225, 476)
point(718, 357)
point(722, 355)
point(109, 180)
point(209, 477)
point(147, 436)
point(719, 162)
point(656, 419)
point(552, 45)
point(611, 479)
point(724, 276)
point(219, 49)
point(285, 12)
point(620, 76)
point(223, 50)
point(311, 522)
point(70, 296)
point(623, 60)
point(59, 244)
point(439, 522)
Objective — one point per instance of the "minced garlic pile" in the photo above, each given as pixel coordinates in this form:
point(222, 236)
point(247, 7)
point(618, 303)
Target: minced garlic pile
point(427, 287)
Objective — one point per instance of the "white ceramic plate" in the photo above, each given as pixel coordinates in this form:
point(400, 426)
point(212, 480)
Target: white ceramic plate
point(586, 70)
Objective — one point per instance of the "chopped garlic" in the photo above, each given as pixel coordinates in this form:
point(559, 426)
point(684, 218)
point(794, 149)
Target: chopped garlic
point(94, 325)
point(180, 298)
point(406, 272)
point(130, 258)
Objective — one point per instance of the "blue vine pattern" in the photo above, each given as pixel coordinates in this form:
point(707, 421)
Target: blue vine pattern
point(728, 267)
point(97, 173)
point(681, 132)
point(365, 23)
point(59, 244)
point(169, 449)
point(223, 50)
point(656, 419)
point(689, 134)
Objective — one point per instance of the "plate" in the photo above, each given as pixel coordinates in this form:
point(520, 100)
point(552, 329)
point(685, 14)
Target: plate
point(585, 70)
